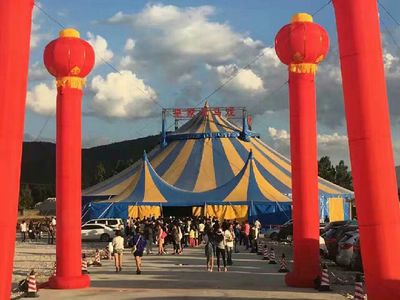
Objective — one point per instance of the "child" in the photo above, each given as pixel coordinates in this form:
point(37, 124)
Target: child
point(110, 250)
point(192, 237)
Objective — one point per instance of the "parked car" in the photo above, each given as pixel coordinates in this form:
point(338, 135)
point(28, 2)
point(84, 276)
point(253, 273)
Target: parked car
point(113, 223)
point(331, 225)
point(345, 248)
point(97, 232)
point(333, 235)
point(286, 231)
point(271, 232)
point(356, 261)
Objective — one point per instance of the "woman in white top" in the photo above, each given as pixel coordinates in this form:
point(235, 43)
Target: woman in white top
point(221, 244)
point(229, 238)
point(118, 246)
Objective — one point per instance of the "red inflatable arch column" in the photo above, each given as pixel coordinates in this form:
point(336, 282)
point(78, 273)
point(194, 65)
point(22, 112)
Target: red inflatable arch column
point(69, 59)
point(15, 30)
point(371, 152)
point(301, 45)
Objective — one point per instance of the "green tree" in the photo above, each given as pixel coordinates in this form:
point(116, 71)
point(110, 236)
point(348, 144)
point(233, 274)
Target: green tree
point(343, 176)
point(25, 197)
point(326, 170)
point(100, 174)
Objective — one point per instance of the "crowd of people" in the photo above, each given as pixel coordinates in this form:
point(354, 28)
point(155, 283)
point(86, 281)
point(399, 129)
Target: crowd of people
point(35, 231)
point(220, 239)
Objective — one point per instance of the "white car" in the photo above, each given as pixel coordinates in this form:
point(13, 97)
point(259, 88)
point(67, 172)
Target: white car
point(345, 248)
point(113, 223)
point(97, 232)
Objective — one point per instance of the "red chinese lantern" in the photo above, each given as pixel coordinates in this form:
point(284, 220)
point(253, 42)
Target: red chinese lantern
point(302, 44)
point(68, 57)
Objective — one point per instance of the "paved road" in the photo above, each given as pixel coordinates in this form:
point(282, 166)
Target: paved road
point(185, 277)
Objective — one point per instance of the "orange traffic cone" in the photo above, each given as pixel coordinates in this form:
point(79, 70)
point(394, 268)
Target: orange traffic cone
point(260, 247)
point(359, 293)
point(84, 265)
point(32, 288)
point(272, 260)
point(324, 286)
point(283, 266)
point(97, 259)
point(266, 253)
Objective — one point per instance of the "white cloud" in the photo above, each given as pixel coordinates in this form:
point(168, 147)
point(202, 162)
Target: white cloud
point(282, 134)
point(36, 35)
point(181, 39)
point(121, 95)
point(42, 99)
point(245, 79)
point(126, 62)
point(278, 134)
point(333, 145)
point(129, 44)
point(37, 72)
point(102, 52)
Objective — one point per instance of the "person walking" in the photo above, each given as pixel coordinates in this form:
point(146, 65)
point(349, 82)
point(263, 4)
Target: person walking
point(50, 233)
point(138, 245)
point(176, 239)
point(23, 228)
point(161, 235)
point(210, 248)
point(246, 232)
point(230, 238)
point(221, 245)
point(31, 230)
point(148, 234)
point(118, 246)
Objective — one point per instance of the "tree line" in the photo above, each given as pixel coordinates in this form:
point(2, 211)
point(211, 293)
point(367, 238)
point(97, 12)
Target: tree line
point(32, 193)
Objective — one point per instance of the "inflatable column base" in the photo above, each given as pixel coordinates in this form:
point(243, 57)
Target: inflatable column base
point(69, 283)
point(301, 280)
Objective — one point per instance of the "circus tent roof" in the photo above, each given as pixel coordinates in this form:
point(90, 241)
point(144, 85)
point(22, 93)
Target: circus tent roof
point(205, 160)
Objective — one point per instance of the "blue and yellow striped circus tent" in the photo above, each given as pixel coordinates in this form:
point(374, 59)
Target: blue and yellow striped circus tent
point(215, 167)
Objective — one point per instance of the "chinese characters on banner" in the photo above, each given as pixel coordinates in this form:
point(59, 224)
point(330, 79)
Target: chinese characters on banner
point(217, 111)
point(177, 112)
point(190, 112)
point(230, 112)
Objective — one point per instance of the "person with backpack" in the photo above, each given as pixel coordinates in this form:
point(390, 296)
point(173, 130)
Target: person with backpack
point(138, 245)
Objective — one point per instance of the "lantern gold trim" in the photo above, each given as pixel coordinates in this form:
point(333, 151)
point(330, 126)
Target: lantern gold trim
point(71, 82)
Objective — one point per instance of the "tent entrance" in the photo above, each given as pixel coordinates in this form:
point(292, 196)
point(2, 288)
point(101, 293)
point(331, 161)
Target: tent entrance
point(177, 211)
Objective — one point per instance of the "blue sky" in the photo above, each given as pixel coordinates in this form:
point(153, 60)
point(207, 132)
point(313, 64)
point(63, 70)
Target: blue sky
point(178, 52)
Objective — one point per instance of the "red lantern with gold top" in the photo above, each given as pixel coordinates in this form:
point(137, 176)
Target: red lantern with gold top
point(301, 45)
point(69, 59)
